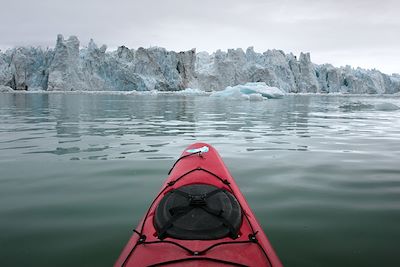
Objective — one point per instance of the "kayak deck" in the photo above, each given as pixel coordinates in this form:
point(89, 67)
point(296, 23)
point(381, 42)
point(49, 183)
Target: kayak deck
point(199, 164)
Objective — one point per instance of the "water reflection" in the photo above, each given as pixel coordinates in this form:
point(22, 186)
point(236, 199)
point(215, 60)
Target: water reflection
point(311, 170)
point(121, 126)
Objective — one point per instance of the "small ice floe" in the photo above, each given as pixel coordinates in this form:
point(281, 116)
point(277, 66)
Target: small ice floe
point(356, 106)
point(191, 91)
point(359, 106)
point(251, 91)
point(386, 106)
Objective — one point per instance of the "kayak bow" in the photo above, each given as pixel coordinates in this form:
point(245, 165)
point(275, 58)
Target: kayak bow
point(199, 218)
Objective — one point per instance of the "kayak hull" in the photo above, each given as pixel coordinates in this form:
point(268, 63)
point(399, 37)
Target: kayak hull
point(200, 163)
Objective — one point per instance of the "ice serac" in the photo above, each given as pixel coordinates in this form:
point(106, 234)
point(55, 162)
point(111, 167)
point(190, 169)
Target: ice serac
point(5, 71)
point(307, 80)
point(64, 70)
point(24, 68)
point(163, 70)
point(69, 67)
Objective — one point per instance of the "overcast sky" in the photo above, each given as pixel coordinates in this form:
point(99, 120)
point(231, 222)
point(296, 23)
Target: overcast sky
point(363, 33)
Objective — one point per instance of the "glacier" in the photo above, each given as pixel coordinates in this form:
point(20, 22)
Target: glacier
point(68, 67)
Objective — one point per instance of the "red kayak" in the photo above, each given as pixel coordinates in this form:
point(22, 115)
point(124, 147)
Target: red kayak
point(199, 218)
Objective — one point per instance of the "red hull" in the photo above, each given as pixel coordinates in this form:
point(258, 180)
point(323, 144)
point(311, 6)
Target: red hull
point(256, 253)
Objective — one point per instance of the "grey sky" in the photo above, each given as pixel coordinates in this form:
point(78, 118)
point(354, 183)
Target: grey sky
point(362, 33)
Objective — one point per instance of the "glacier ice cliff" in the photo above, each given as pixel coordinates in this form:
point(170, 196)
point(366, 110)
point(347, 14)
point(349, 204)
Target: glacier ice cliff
point(68, 67)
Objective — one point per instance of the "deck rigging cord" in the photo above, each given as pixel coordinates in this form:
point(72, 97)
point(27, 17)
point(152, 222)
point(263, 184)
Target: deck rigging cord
point(252, 238)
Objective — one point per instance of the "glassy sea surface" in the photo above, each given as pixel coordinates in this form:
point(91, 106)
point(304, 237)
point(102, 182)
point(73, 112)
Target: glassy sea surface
point(78, 171)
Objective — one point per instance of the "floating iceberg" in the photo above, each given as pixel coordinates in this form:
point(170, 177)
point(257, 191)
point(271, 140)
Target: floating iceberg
point(251, 91)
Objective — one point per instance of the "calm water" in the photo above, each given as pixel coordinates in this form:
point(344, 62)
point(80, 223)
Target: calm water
point(78, 171)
